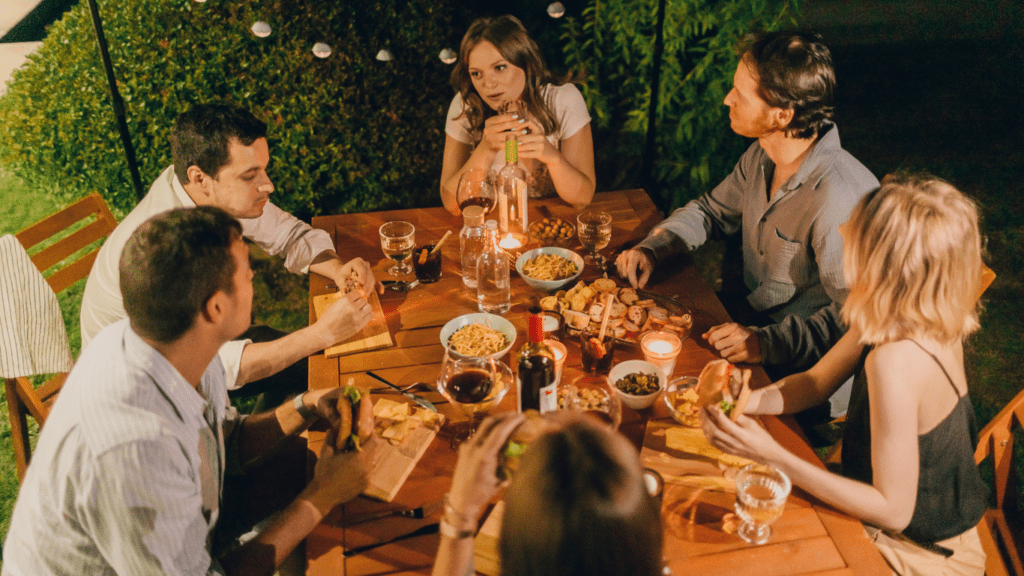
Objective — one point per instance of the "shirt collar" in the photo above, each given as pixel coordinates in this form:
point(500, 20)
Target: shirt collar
point(819, 159)
point(180, 192)
point(185, 399)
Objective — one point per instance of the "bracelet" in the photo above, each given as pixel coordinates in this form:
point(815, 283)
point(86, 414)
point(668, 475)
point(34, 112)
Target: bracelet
point(306, 413)
point(454, 517)
point(450, 531)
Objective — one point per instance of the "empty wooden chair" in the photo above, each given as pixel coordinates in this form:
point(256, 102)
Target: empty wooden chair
point(58, 262)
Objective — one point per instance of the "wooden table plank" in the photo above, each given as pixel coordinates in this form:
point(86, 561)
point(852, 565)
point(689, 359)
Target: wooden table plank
point(810, 537)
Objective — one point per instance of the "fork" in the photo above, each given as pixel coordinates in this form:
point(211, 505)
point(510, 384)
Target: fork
point(414, 397)
point(403, 389)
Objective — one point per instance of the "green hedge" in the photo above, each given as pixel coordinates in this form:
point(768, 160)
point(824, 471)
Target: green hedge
point(612, 44)
point(347, 133)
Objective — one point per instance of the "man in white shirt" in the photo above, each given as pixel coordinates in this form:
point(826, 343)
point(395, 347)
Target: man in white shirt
point(220, 159)
point(128, 476)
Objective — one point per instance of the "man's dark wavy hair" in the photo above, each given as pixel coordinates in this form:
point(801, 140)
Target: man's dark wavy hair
point(172, 265)
point(201, 135)
point(794, 71)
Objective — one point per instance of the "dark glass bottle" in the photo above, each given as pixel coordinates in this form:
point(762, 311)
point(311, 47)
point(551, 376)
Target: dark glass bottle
point(536, 369)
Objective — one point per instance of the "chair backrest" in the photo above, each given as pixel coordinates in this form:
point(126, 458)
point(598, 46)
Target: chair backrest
point(996, 440)
point(62, 265)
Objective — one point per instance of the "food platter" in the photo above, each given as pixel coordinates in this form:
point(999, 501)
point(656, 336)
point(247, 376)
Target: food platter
point(634, 312)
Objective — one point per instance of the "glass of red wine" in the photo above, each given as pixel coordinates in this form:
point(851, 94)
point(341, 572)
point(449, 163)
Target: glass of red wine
point(475, 384)
point(476, 188)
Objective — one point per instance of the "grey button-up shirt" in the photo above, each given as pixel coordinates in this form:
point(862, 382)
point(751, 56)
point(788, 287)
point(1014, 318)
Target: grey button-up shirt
point(792, 252)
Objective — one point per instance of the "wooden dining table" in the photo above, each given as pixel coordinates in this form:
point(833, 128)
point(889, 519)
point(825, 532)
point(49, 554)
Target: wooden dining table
point(809, 538)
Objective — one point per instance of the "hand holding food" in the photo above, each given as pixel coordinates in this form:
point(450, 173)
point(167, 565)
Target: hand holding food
point(635, 265)
point(475, 479)
point(355, 412)
point(722, 384)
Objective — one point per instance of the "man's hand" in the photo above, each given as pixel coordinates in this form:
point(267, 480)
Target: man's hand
point(343, 318)
point(366, 280)
point(341, 476)
point(735, 343)
point(636, 266)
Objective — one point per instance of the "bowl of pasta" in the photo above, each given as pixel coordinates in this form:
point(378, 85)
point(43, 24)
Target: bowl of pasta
point(549, 268)
point(477, 335)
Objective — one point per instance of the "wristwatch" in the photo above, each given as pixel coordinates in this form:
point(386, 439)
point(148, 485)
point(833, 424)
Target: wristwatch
point(306, 413)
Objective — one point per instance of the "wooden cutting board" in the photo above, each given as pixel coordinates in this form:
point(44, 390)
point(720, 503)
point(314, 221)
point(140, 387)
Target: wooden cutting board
point(397, 460)
point(373, 336)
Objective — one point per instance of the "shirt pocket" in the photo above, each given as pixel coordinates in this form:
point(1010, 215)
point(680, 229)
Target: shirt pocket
point(787, 261)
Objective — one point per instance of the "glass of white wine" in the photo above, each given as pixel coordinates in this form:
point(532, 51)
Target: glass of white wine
point(595, 232)
point(397, 240)
point(761, 493)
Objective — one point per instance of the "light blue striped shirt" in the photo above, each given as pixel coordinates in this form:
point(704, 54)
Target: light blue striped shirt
point(128, 471)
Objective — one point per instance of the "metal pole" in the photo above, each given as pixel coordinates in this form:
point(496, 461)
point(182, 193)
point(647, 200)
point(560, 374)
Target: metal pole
point(650, 149)
point(115, 98)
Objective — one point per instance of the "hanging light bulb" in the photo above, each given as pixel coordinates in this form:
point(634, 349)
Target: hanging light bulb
point(556, 10)
point(448, 56)
point(261, 29)
point(321, 50)
point(384, 56)
point(200, 1)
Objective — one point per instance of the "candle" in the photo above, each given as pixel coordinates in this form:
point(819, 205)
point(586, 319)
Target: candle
point(560, 352)
point(509, 243)
point(661, 348)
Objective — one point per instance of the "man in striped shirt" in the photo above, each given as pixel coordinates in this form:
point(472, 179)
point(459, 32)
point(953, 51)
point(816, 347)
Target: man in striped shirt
point(129, 473)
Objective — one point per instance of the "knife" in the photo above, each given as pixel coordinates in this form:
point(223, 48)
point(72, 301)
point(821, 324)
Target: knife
point(428, 529)
point(418, 513)
point(414, 397)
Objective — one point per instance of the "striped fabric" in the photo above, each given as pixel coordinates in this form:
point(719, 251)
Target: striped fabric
point(32, 336)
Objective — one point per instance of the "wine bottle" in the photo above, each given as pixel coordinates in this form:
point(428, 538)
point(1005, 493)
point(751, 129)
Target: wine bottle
point(536, 369)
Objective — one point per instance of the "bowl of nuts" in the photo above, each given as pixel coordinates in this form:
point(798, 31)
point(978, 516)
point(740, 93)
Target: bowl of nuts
point(553, 232)
point(638, 383)
point(681, 399)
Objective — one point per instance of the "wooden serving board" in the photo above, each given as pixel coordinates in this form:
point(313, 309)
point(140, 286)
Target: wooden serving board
point(373, 336)
point(397, 461)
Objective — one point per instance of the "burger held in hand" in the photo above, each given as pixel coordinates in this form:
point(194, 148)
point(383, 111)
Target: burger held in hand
point(724, 385)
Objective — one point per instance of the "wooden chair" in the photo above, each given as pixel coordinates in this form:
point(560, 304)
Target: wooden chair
point(1002, 544)
point(22, 398)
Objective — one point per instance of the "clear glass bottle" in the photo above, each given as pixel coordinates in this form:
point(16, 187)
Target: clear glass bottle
point(535, 374)
point(471, 242)
point(513, 225)
point(494, 287)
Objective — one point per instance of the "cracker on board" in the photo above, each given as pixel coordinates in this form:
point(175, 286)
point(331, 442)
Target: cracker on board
point(394, 421)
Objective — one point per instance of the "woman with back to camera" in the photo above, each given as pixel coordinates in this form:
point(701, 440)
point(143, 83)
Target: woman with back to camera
point(912, 258)
point(576, 506)
point(499, 62)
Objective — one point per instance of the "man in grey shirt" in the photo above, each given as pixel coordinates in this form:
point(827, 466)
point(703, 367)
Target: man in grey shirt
point(787, 195)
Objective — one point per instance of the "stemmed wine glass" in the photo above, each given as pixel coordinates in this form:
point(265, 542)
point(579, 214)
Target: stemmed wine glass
point(476, 188)
point(475, 384)
point(397, 240)
point(595, 232)
point(761, 493)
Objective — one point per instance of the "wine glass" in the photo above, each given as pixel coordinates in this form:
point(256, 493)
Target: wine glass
point(761, 493)
point(397, 240)
point(476, 188)
point(475, 384)
point(595, 232)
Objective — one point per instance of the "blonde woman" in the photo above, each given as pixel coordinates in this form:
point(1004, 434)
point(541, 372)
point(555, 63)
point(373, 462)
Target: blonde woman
point(912, 257)
point(499, 62)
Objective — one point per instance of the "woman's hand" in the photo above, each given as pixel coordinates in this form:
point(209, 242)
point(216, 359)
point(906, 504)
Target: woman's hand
point(745, 437)
point(497, 127)
point(475, 479)
point(534, 144)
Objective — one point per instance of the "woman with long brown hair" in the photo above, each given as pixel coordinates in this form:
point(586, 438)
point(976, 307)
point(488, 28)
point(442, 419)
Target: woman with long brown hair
point(498, 63)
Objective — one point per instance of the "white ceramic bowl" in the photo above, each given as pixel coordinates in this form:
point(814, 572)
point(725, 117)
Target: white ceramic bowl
point(494, 321)
point(623, 369)
point(549, 285)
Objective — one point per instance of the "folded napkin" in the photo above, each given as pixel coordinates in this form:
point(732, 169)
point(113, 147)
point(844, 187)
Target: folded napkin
point(32, 335)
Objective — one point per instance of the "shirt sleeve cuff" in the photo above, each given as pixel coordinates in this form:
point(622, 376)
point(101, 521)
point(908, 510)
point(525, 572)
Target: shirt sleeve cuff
point(231, 356)
point(662, 244)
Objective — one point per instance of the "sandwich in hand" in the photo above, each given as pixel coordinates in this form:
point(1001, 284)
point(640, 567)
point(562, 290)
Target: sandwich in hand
point(356, 417)
point(534, 426)
point(722, 384)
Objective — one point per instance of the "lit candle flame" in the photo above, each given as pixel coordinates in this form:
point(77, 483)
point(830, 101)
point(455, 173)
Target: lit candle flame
point(509, 242)
point(659, 347)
